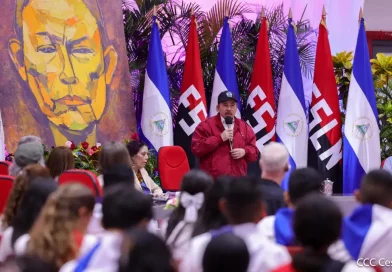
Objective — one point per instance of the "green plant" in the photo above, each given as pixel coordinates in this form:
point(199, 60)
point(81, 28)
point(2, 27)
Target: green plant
point(343, 67)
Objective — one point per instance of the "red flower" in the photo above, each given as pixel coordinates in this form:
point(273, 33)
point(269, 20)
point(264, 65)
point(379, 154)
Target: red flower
point(73, 146)
point(94, 148)
point(135, 137)
point(85, 145)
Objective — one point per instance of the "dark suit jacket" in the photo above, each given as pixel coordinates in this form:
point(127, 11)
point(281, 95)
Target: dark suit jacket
point(272, 195)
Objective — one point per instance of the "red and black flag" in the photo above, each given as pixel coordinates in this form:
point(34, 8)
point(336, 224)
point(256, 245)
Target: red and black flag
point(192, 105)
point(260, 109)
point(325, 125)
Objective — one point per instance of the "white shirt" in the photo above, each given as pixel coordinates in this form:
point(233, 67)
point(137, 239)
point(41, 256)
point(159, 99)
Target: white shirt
point(264, 255)
point(336, 251)
point(179, 239)
point(6, 249)
point(104, 259)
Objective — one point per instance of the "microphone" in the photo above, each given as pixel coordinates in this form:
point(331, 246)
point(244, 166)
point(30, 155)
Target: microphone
point(229, 122)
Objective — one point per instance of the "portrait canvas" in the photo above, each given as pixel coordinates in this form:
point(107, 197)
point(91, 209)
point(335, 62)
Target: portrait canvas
point(64, 72)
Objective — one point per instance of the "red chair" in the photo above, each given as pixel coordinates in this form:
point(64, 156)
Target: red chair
point(293, 250)
point(84, 177)
point(172, 165)
point(4, 165)
point(6, 184)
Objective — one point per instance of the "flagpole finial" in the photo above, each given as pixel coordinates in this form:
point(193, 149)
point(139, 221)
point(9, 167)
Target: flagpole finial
point(192, 11)
point(360, 13)
point(290, 14)
point(324, 11)
point(154, 11)
point(262, 12)
point(226, 12)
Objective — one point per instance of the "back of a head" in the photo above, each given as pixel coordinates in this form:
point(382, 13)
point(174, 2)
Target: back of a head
point(376, 188)
point(35, 197)
point(113, 153)
point(244, 201)
point(226, 252)
point(274, 158)
point(29, 153)
point(303, 181)
point(117, 174)
point(60, 160)
point(211, 216)
point(196, 181)
point(18, 191)
point(27, 263)
point(317, 224)
point(58, 219)
point(29, 139)
point(143, 251)
point(124, 207)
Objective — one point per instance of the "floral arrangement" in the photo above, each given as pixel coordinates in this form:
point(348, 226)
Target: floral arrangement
point(172, 203)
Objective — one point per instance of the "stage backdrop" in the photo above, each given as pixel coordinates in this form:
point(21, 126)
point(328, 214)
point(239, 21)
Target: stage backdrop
point(64, 71)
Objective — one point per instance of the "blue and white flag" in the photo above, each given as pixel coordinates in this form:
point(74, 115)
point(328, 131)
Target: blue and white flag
point(156, 120)
point(368, 232)
point(225, 78)
point(361, 141)
point(291, 122)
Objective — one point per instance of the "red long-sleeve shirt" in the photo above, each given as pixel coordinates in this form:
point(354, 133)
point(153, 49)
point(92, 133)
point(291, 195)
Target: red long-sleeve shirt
point(214, 153)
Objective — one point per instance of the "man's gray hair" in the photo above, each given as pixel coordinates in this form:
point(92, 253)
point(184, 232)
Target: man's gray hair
point(14, 168)
point(274, 157)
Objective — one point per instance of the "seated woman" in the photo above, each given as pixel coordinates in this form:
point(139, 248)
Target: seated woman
point(138, 151)
point(60, 159)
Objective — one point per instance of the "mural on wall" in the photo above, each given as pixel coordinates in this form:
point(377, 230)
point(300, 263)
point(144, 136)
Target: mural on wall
point(64, 71)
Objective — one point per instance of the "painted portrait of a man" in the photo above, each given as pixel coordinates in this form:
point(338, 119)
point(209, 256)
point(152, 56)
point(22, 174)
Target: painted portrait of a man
point(71, 70)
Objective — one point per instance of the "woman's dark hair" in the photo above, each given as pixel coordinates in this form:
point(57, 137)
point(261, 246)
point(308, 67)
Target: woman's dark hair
point(317, 224)
point(211, 217)
point(27, 263)
point(113, 153)
point(134, 147)
point(60, 160)
point(32, 203)
point(194, 182)
point(230, 248)
point(142, 251)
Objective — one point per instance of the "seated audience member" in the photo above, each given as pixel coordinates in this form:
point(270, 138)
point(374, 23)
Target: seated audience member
point(14, 238)
point(211, 217)
point(139, 156)
point(123, 207)
point(14, 168)
point(243, 206)
point(143, 251)
point(367, 232)
point(117, 174)
point(181, 224)
point(27, 263)
point(60, 159)
point(278, 227)
point(63, 221)
point(18, 191)
point(226, 252)
point(111, 154)
point(25, 154)
point(317, 224)
point(274, 163)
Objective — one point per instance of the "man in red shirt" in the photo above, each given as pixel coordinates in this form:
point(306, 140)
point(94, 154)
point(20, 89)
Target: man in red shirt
point(224, 147)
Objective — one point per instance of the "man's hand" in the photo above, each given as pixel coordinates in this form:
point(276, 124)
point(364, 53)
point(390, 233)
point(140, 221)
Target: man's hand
point(227, 134)
point(237, 153)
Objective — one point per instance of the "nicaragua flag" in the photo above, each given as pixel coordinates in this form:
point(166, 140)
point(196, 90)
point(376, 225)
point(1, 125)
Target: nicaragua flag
point(361, 141)
point(367, 232)
point(156, 119)
point(291, 123)
point(225, 78)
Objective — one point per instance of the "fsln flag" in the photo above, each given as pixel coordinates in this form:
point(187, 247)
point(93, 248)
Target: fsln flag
point(192, 107)
point(325, 125)
point(291, 123)
point(260, 109)
point(361, 141)
point(156, 119)
point(225, 78)
point(2, 140)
